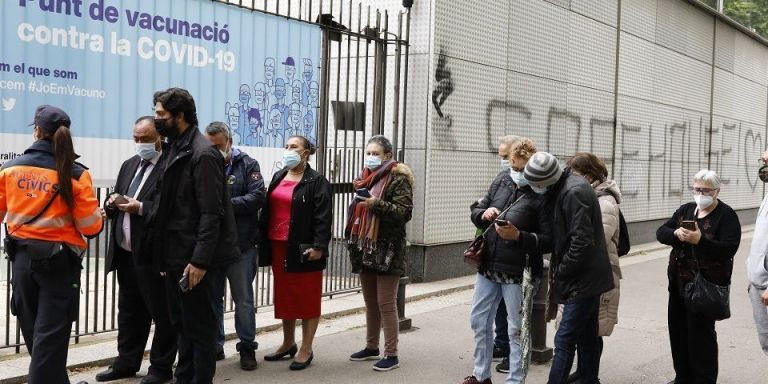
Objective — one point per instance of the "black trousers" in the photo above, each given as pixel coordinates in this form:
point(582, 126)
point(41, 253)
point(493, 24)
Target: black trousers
point(694, 344)
point(46, 303)
point(193, 318)
point(142, 300)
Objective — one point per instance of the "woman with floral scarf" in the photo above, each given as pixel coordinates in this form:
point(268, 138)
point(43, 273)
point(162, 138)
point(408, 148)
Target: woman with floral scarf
point(376, 240)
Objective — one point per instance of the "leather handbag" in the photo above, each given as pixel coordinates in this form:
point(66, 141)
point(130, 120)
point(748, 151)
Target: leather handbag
point(706, 298)
point(474, 255)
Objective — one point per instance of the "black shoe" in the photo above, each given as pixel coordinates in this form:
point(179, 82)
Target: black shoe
point(248, 359)
point(499, 353)
point(503, 367)
point(155, 379)
point(112, 374)
point(220, 355)
point(296, 366)
point(281, 355)
point(573, 378)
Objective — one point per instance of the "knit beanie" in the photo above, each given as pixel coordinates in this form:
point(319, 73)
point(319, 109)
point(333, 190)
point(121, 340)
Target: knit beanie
point(542, 170)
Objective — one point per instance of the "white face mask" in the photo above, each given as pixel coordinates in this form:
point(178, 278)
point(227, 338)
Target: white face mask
point(703, 201)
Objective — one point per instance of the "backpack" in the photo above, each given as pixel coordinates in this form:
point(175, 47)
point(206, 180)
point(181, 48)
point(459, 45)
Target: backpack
point(623, 247)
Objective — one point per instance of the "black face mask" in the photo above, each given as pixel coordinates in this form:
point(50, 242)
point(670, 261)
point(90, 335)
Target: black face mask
point(763, 173)
point(166, 128)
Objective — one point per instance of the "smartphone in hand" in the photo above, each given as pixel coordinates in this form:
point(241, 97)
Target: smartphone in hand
point(501, 223)
point(184, 284)
point(120, 199)
point(689, 225)
point(363, 192)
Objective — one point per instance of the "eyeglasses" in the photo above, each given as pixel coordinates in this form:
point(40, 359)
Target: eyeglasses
point(703, 191)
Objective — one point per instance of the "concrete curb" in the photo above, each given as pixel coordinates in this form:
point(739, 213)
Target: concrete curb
point(103, 362)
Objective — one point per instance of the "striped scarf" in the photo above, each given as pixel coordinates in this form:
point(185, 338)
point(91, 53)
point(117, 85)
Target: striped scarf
point(362, 224)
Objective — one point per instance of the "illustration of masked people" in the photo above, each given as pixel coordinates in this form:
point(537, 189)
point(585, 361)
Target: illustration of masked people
point(233, 118)
point(296, 92)
point(285, 110)
point(296, 127)
point(255, 129)
point(269, 74)
point(243, 128)
point(314, 95)
point(308, 71)
point(309, 127)
point(290, 70)
point(273, 131)
point(261, 99)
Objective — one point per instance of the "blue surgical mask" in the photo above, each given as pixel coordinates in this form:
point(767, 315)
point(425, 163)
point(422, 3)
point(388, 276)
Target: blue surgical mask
point(146, 151)
point(539, 190)
point(504, 164)
point(372, 162)
point(291, 159)
point(518, 178)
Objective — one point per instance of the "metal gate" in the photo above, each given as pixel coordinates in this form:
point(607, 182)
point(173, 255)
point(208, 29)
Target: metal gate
point(357, 93)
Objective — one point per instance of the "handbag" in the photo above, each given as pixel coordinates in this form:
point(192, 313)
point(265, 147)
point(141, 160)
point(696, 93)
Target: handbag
point(475, 253)
point(706, 298)
point(380, 259)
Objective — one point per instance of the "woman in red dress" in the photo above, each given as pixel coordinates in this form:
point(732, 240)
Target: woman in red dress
point(297, 221)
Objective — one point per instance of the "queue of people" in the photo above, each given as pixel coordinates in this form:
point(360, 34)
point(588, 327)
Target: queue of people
point(189, 213)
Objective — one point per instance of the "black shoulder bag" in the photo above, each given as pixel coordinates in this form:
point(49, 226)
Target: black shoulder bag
point(10, 244)
point(706, 298)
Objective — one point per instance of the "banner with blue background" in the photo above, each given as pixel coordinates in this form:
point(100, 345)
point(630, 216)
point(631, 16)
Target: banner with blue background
point(102, 60)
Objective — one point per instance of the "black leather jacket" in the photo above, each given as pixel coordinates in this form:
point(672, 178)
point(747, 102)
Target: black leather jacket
point(580, 260)
point(528, 214)
point(311, 219)
point(194, 221)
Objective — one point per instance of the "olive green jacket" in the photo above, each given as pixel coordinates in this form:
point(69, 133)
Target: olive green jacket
point(394, 210)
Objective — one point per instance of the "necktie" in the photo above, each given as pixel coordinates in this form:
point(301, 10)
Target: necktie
point(131, 193)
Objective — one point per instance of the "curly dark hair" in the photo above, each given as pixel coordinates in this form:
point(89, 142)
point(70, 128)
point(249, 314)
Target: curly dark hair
point(177, 101)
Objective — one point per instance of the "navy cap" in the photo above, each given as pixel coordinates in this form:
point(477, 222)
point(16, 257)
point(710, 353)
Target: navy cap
point(50, 118)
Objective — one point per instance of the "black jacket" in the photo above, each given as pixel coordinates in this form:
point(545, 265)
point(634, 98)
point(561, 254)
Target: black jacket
point(246, 186)
point(529, 215)
point(580, 261)
point(148, 196)
point(720, 238)
point(311, 219)
point(194, 221)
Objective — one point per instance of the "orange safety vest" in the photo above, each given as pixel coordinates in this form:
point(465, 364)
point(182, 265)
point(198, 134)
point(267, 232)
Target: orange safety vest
point(27, 184)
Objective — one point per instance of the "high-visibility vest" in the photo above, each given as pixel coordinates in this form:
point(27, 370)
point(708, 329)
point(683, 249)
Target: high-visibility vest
point(28, 183)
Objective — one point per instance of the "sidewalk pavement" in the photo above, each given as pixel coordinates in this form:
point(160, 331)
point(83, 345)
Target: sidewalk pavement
point(439, 348)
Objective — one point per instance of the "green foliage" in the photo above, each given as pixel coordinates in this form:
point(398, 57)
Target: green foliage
point(753, 14)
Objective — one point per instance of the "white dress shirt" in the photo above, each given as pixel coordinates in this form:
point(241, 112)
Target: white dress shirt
point(126, 244)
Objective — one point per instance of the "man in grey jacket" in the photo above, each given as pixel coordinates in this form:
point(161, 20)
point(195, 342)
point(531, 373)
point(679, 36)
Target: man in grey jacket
point(757, 265)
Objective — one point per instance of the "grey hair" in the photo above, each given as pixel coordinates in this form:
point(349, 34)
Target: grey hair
point(709, 177)
point(219, 127)
point(509, 140)
point(382, 141)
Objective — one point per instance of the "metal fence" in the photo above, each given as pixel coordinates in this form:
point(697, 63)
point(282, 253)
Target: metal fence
point(359, 49)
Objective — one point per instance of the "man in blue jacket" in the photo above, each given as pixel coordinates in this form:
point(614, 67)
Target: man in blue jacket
point(246, 188)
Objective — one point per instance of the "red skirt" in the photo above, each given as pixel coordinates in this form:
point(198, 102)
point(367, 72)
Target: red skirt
point(297, 294)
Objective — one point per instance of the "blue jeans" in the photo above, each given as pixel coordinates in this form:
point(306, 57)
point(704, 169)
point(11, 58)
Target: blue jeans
point(577, 327)
point(240, 275)
point(485, 303)
point(501, 340)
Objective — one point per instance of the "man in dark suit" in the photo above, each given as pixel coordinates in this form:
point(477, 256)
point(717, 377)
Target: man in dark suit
point(141, 298)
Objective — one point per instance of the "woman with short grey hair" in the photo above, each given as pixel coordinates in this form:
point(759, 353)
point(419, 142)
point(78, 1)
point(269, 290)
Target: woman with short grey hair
point(704, 235)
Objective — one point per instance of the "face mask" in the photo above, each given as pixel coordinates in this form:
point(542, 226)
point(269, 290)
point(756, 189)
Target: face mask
point(539, 190)
point(372, 162)
point(504, 164)
point(518, 178)
point(291, 159)
point(763, 173)
point(165, 128)
point(703, 201)
point(146, 150)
